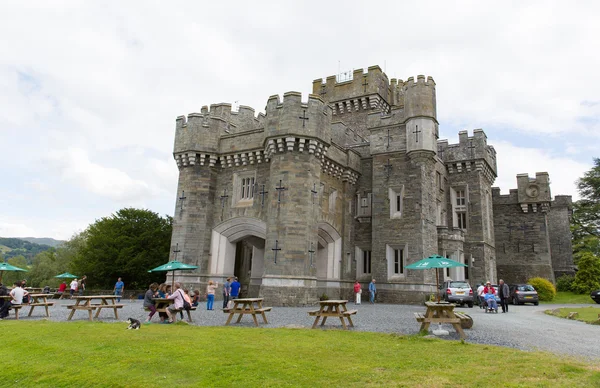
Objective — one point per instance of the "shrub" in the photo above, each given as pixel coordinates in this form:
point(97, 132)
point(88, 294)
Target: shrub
point(565, 283)
point(544, 288)
point(587, 278)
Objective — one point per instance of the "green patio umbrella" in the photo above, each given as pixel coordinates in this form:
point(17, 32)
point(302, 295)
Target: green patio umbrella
point(174, 266)
point(435, 261)
point(8, 267)
point(66, 275)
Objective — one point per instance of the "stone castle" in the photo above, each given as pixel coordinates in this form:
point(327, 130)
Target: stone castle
point(353, 184)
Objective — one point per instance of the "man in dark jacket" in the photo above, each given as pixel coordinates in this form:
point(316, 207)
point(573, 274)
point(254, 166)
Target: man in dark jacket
point(503, 294)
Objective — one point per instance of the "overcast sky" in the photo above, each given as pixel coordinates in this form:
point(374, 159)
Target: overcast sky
point(89, 91)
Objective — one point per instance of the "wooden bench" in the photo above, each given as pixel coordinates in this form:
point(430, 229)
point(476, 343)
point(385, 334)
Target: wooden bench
point(263, 309)
point(466, 322)
point(419, 317)
point(314, 313)
point(349, 312)
point(193, 308)
point(41, 304)
point(17, 307)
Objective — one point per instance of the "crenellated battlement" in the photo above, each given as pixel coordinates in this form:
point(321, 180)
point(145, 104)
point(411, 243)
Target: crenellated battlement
point(202, 131)
point(292, 116)
point(372, 82)
point(470, 149)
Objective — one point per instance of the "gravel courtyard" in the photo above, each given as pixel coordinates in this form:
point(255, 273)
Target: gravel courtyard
point(524, 327)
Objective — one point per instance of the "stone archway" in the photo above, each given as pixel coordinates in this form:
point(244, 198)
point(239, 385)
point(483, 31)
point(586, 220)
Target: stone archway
point(329, 252)
point(226, 236)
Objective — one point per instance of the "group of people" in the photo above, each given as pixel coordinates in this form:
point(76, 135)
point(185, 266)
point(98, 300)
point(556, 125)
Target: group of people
point(18, 296)
point(182, 298)
point(358, 292)
point(487, 296)
point(77, 286)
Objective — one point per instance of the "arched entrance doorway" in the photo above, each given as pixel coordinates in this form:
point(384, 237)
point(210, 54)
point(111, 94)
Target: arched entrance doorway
point(329, 252)
point(238, 249)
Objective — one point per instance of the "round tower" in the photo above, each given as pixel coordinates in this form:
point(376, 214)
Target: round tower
point(420, 113)
point(297, 137)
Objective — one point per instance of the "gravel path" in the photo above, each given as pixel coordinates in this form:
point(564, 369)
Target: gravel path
point(524, 327)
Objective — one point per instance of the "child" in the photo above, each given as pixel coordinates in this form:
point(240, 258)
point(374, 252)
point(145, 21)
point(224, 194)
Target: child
point(210, 294)
point(196, 298)
point(148, 302)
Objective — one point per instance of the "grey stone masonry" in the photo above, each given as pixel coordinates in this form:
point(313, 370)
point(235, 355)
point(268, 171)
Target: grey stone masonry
point(352, 183)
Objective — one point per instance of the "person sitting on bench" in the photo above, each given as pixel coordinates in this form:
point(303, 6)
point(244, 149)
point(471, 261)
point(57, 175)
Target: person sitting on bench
point(17, 295)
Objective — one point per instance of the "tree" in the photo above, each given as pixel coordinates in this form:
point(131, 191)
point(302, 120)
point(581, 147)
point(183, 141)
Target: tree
point(586, 214)
point(587, 278)
point(126, 244)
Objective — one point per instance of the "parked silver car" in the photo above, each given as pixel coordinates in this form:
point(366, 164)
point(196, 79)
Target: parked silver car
point(459, 292)
point(523, 293)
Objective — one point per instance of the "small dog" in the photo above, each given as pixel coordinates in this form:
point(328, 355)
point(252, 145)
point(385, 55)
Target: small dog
point(134, 324)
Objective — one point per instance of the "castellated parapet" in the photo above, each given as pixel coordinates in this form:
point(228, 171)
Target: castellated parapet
point(292, 117)
point(419, 97)
point(471, 153)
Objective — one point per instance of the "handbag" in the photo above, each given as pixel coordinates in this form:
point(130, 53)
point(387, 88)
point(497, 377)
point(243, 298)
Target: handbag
point(186, 304)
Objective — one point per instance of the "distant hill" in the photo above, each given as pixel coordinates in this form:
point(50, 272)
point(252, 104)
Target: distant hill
point(11, 247)
point(43, 241)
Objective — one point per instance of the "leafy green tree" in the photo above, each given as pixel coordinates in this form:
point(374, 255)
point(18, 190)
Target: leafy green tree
point(127, 244)
point(587, 278)
point(586, 214)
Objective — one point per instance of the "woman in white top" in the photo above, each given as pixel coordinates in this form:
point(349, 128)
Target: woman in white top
point(210, 294)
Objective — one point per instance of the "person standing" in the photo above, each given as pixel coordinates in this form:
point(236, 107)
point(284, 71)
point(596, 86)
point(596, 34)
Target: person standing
point(226, 292)
point(372, 291)
point(210, 294)
point(504, 294)
point(235, 288)
point(82, 285)
point(73, 287)
point(357, 292)
point(119, 288)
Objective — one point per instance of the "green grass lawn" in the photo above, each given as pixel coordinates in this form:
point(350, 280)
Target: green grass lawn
point(566, 297)
point(95, 354)
point(586, 314)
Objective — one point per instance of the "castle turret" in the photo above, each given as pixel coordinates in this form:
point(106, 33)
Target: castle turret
point(420, 113)
point(297, 135)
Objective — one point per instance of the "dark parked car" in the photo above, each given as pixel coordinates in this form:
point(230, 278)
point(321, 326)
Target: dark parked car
point(596, 296)
point(458, 292)
point(523, 293)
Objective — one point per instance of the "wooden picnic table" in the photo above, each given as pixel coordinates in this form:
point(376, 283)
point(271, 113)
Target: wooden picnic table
point(333, 308)
point(441, 313)
point(39, 300)
point(36, 300)
point(31, 290)
point(162, 304)
point(251, 306)
point(85, 303)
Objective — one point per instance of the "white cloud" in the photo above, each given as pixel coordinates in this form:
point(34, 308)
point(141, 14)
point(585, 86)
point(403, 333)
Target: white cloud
point(10, 229)
point(76, 168)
